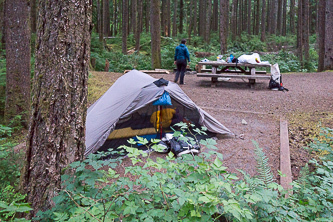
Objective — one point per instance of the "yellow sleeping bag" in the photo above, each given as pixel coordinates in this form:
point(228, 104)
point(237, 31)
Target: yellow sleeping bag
point(164, 117)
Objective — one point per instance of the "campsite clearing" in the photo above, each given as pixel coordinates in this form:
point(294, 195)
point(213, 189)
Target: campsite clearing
point(306, 106)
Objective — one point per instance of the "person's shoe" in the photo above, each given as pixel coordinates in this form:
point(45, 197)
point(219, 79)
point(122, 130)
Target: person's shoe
point(195, 148)
point(163, 147)
point(182, 83)
point(177, 149)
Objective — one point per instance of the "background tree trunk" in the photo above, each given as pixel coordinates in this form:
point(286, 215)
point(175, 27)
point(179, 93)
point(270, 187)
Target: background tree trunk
point(325, 35)
point(57, 129)
point(263, 21)
point(17, 35)
point(208, 18)
point(292, 16)
point(106, 17)
point(174, 19)
point(139, 26)
point(155, 30)
point(181, 16)
point(124, 26)
point(147, 15)
point(215, 17)
point(224, 24)
point(194, 18)
point(249, 10)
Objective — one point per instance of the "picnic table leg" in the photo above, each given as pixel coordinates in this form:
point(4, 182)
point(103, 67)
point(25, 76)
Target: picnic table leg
point(253, 72)
point(214, 79)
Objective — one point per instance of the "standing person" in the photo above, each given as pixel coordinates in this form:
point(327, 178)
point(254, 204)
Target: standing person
point(181, 57)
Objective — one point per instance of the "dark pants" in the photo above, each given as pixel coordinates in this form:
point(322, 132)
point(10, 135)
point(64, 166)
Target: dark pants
point(181, 68)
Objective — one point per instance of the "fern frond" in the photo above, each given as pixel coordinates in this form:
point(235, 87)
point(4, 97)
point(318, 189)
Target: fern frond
point(263, 169)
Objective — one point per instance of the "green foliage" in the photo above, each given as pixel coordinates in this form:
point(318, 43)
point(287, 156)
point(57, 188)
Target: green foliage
point(189, 188)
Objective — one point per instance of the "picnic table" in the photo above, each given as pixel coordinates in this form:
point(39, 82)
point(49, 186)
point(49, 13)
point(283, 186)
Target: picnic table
point(233, 70)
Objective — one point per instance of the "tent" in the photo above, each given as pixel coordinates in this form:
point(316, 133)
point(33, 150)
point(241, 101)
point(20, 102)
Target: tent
point(131, 97)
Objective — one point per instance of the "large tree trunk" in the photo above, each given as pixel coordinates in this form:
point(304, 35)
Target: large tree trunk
point(224, 24)
point(124, 26)
point(155, 30)
point(147, 15)
point(17, 59)
point(33, 15)
point(57, 128)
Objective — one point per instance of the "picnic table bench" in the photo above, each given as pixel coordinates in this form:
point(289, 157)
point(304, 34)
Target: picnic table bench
point(240, 70)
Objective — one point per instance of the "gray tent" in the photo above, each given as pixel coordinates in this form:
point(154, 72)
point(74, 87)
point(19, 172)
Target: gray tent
point(133, 93)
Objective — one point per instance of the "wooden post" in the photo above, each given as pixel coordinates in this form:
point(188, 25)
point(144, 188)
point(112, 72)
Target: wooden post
point(285, 166)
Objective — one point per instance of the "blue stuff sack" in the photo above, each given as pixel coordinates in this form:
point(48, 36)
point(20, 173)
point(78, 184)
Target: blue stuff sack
point(164, 100)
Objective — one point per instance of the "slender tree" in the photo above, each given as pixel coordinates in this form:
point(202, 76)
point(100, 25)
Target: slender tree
point(17, 34)
point(292, 16)
point(208, 18)
point(263, 21)
point(106, 17)
point(249, 9)
point(139, 26)
point(325, 10)
point(174, 19)
point(57, 128)
point(155, 30)
point(224, 24)
point(181, 16)
point(124, 26)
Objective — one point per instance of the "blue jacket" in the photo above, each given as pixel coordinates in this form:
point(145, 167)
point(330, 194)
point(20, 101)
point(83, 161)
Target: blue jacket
point(182, 53)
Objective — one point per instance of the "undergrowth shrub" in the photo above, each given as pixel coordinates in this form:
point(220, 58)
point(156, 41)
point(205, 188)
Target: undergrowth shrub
point(11, 201)
point(190, 188)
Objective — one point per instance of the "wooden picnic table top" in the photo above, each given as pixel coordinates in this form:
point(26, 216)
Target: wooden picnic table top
point(217, 63)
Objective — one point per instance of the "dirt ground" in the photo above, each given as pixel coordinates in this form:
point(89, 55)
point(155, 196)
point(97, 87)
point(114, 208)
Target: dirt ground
point(307, 106)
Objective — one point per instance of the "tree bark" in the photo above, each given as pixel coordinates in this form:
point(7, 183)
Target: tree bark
point(208, 18)
point(194, 18)
point(124, 26)
point(234, 19)
point(33, 15)
point(17, 34)
point(139, 27)
point(249, 9)
point(215, 17)
point(164, 18)
point(106, 17)
point(263, 21)
point(284, 18)
point(134, 16)
point(155, 30)
point(147, 15)
point(279, 18)
point(292, 16)
point(57, 128)
point(168, 19)
point(174, 20)
point(325, 35)
point(224, 24)
point(181, 16)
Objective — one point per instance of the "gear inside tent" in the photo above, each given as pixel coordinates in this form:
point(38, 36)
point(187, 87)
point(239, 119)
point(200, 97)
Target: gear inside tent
point(131, 108)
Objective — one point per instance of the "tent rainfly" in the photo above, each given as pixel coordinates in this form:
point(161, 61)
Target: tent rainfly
point(133, 94)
